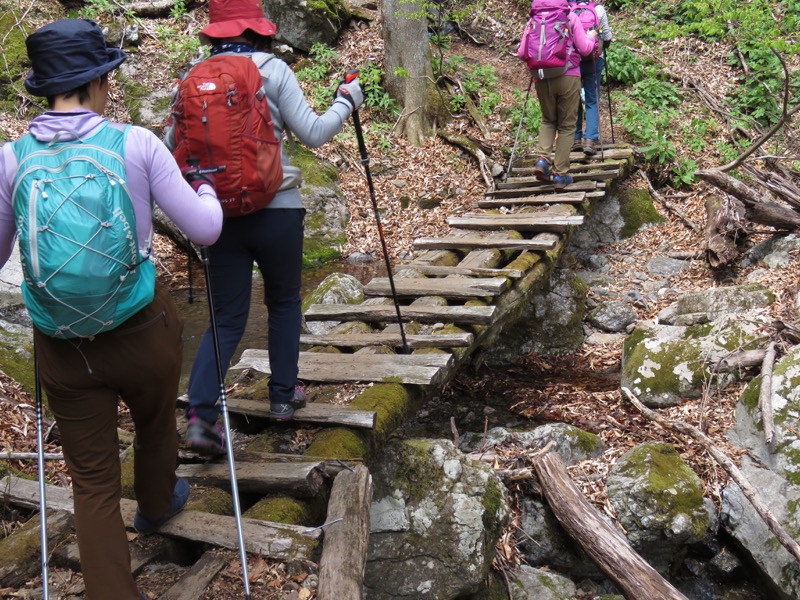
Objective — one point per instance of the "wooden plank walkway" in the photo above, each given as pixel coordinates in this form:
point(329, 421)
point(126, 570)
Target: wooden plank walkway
point(459, 293)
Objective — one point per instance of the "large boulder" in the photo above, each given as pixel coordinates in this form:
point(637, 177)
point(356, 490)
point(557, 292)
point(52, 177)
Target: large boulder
point(659, 502)
point(436, 517)
point(774, 471)
point(303, 24)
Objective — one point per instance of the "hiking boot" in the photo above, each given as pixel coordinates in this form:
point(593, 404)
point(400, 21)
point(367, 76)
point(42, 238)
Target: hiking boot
point(179, 497)
point(541, 169)
point(204, 437)
point(577, 146)
point(283, 411)
point(589, 147)
point(561, 181)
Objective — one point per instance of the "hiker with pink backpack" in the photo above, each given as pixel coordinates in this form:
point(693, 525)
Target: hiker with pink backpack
point(552, 46)
point(594, 18)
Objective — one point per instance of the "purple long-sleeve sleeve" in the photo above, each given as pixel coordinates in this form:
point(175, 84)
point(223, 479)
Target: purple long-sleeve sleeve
point(153, 176)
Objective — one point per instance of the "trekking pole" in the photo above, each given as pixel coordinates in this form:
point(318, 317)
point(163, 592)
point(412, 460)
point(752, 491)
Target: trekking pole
point(350, 76)
point(608, 89)
point(519, 127)
point(40, 457)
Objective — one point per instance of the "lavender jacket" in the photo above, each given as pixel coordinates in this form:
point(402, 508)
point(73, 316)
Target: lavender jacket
point(152, 174)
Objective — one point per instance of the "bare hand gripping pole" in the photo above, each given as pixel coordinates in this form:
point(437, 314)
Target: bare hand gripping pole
point(350, 76)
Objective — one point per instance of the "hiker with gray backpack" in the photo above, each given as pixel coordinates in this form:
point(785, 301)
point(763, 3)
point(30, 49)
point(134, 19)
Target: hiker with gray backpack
point(78, 192)
point(552, 45)
point(594, 17)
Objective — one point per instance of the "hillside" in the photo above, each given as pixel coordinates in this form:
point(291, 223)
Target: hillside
point(678, 95)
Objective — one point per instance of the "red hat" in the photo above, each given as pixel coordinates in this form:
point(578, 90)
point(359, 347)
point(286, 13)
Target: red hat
point(231, 18)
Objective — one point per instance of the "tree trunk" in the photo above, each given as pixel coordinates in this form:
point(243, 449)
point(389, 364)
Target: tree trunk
point(721, 231)
point(409, 74)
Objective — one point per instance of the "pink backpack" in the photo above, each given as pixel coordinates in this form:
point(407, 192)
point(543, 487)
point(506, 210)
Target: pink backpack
point(546, 43)
point(587, 14)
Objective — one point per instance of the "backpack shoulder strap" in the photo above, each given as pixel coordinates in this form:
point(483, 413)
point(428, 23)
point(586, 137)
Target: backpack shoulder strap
point(261, 58)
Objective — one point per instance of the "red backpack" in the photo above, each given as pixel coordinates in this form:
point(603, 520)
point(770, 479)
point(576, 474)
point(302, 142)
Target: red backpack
point(547, 42)
point(587, 14)
point(222, 119)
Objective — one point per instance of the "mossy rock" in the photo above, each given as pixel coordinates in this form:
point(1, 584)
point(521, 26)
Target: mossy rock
point(316, 172)
point(637, 210)
point(283, 509)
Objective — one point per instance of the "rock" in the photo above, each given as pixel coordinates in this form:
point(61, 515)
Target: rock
point(527, 583)
point(706, 306)
point(774, 253)
point(614, 316)
point(659, 502)
point(665, 266)
point(336, 288)
point(451, 513)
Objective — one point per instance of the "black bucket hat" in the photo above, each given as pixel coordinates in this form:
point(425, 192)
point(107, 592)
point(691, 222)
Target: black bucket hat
point(66, 54)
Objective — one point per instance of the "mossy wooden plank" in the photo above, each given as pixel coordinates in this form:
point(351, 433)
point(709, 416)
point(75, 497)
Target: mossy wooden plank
point(302, 479)
point(470, 271)
point(480, 315)
point(516, 221)
point(476, 242)
point(418, 369)
point(452, 287)
point(273, 540)
point(395, 340)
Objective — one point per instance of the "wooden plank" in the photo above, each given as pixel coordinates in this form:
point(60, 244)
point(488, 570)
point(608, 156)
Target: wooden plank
point(273, 540)
point(610, 151)
point(21, 550)
point(344, 554)
point(321, 413)
point(394, 340)
point(470, 271)
point(516, 221)
point(194, 582)
point(418, 369)
point(568, 198)
point(577, 167)
point(519, 182)
point(476, 242)
point(451, 287)
point(478, 315)
point(303, 480)
point(545, 188)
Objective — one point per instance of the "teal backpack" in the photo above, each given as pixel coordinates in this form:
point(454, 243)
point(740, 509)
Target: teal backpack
point(83, 272)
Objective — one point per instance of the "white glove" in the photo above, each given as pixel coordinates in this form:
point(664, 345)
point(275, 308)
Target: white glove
point(352, 93)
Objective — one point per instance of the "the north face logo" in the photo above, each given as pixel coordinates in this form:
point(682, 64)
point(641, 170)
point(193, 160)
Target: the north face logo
point(206, 86)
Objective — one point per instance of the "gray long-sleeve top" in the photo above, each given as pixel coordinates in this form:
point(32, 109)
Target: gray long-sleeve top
point(291, 111)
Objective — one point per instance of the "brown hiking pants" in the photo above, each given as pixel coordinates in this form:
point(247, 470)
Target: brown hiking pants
point(140, 363)
point(558, 98)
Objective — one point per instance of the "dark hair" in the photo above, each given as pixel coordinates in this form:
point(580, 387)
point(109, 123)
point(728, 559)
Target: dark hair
point(258, 41)
point(82, 92)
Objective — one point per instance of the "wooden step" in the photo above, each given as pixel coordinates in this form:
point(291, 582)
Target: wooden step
point(450, 287)
point(470, 271)
point(518, 182)
point(568, 198)
point(273, 540)
point(476, 242)
point(393, 340)
point(545, 188)
point(517, 221)
point(298, 479)
point(576, 167)
point(419, 369)
point(478, 315)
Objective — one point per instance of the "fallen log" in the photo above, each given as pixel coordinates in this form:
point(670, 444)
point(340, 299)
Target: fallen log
point(765, 395)
point(606, 546)
point(21, 551)
point(722, 231)
point(740, 360)
point(738, 477)
point(195, 581)
point(344, 553)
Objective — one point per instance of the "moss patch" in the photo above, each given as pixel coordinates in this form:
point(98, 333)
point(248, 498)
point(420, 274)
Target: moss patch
point(391, 403)
point(211, 500)
point(290, 511)
point(18, 364)
point(338, 442)
point(636, 208)
point(315, 171)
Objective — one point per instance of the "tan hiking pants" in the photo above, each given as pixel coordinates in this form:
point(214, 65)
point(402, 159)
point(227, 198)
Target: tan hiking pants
point(558, 98)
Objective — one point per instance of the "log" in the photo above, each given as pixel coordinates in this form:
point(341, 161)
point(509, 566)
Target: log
point(394, 340)
point(194, 582)
point(344, 553)
point(606, 546)
point(738, 477)
point(469, 271)
point(740, 360)
point(299, 479)
point(478, 315)
point(447, 287)
point(721, 232)
point(22, 550)
point(758, 208)
point(765, 395)
point(516, 221)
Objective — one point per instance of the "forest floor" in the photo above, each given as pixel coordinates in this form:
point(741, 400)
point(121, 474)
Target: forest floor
point(438, 170)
